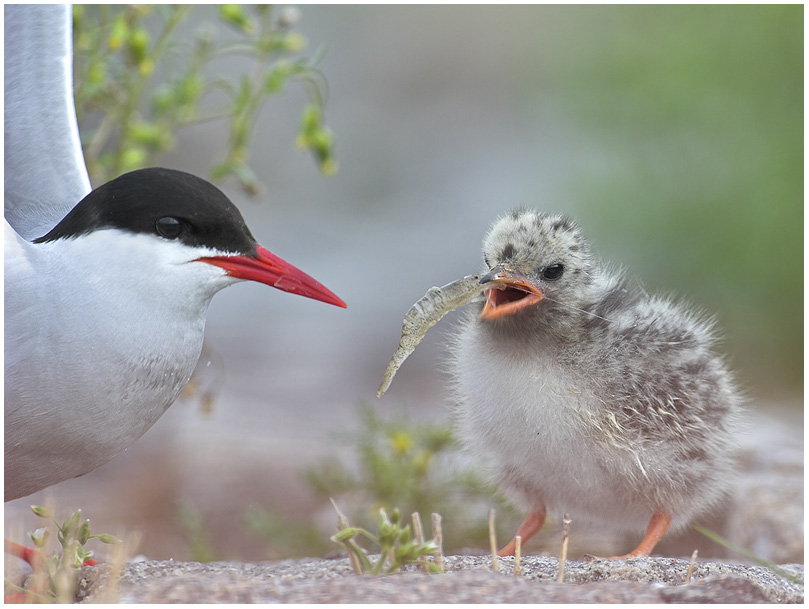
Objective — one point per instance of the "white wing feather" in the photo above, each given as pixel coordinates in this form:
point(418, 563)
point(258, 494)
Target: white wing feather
point(45, 174)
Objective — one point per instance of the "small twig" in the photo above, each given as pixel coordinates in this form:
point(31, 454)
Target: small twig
point(438, 540)
point(691, 567)
point(342, 523)
point(418, 532)
point(563, 555)
point(517, 550)
point(493, 542)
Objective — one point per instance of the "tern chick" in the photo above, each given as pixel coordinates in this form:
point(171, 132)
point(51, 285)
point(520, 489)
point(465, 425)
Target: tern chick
point(587, 396)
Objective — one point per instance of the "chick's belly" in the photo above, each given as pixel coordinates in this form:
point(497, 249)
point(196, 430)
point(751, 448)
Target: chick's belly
point(526, 424)
point(577, 486)
point(559, 469)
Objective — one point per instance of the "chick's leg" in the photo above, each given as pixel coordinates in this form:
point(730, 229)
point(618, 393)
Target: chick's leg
point(658, 526)
point(532, 523)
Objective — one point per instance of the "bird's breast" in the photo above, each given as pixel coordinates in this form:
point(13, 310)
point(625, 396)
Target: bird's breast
point(88, 370)
point(536, 425)
point(513, 393)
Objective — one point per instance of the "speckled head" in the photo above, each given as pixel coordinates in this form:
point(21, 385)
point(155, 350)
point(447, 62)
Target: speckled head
point(530, 240)
point(531, 257)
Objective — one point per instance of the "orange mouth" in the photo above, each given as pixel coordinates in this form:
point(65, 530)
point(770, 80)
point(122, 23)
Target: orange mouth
point(511, 295)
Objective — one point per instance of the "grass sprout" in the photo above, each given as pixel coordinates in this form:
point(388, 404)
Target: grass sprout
point(56, 572)
point(397, 545)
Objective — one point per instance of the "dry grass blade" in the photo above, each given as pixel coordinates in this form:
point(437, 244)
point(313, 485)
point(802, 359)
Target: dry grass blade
point(517, 551)
point(493, 542)
point(418, 532)
point(342, 523)
point(438, 539)
point(691, 566)
point(563, 555)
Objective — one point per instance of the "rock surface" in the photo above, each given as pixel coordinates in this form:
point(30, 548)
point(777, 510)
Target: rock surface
point(468, 579)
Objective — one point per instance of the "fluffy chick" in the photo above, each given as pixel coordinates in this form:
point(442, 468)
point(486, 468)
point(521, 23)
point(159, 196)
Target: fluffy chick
point(584, 395)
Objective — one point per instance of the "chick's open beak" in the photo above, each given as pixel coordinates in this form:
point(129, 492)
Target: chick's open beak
point(510, 292)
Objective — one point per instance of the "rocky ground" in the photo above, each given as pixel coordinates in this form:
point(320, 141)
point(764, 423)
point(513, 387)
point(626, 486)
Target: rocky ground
point(468, 579)
point(766, 518)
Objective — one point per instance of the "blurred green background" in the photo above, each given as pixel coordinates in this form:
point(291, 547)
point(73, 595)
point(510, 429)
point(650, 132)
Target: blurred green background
point(699, 111)
point(672, 134)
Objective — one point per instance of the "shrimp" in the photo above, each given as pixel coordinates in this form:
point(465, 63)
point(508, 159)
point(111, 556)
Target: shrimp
point(424, 314)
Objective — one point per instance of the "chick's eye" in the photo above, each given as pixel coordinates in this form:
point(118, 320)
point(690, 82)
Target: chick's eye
point(169, 227)
point(553, 272)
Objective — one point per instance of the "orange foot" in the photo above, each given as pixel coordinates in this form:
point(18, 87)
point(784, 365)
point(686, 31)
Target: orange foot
point(532, 523)
point(658, 526)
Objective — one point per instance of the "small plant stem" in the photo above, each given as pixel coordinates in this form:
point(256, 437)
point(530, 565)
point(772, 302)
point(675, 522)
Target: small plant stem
point(517, 550)
point(137, 86)
point(493, 542)
point(691, 566)
point(418, 532)
point(438, 540)
point(563, 555)
point(342, 523)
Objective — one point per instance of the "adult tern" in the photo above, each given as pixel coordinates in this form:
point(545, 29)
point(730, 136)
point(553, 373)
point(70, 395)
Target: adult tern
point(106, 291)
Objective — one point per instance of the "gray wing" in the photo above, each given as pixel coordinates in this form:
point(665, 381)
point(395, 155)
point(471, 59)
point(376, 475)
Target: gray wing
point(45, 174)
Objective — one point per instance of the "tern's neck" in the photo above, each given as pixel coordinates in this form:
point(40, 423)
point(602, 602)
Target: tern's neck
point(130, 275)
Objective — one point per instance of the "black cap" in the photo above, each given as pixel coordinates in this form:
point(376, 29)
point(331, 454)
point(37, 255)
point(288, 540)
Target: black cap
point(163, 202)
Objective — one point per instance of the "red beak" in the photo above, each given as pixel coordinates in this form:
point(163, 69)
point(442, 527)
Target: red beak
point(266, 267)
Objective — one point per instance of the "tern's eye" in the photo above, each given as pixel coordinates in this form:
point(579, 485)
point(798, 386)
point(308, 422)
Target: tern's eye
point(169, 227)
point(553, 272)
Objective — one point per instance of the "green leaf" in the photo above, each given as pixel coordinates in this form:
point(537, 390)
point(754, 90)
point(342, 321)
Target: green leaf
point(40, 511)
point(294, 42)
point(106, 538)
point(310, 118)
point(345, 534)
point(234, 15)
point(40, 537)
point(138, 44)
point(360, 554)
point(119, 33)
point(83, 533)
point(277, 77)
point(71, 524)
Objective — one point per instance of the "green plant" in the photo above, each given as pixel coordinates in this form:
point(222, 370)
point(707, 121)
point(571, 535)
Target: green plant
point(395, 459)
point(397, 547)
point(56, 573)
point(137, 83)
point(413, 466)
